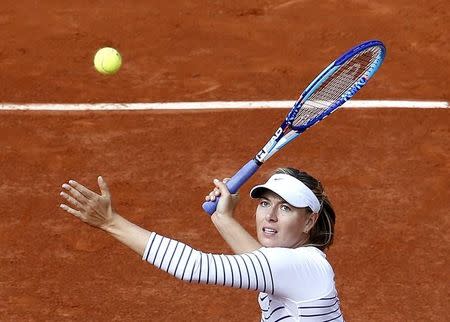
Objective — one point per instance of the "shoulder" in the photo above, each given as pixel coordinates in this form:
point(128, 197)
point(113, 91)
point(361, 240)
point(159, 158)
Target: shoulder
point(304, 261)
point(301, 273)
point(300, 254)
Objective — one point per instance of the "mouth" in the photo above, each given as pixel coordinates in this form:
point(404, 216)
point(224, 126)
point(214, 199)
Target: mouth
point(269, 231)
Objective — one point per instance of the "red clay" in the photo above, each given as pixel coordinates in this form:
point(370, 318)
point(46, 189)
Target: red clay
point(387, 171)
point(207, 50)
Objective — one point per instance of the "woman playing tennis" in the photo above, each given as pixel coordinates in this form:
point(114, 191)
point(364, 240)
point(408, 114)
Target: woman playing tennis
point(286, 263)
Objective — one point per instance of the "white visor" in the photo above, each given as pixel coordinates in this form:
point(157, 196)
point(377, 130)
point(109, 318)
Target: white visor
point(291, 190)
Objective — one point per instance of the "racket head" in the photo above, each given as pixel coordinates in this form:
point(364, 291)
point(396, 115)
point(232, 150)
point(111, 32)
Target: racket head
point(362, 62)
point(336, 84)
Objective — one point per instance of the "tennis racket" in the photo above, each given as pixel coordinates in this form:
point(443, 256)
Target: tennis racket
point(335, 85)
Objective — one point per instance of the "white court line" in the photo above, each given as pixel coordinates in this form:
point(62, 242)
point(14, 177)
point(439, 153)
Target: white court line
point(214, 105)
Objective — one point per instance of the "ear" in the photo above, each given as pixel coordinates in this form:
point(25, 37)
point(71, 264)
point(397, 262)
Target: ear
point(311, 221)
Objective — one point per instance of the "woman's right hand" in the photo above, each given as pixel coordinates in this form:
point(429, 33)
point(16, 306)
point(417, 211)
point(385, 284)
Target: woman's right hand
point(90, 207)
point(227, 202)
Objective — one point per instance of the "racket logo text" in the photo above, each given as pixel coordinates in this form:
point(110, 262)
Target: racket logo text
point(352, 91)
point(269, 145)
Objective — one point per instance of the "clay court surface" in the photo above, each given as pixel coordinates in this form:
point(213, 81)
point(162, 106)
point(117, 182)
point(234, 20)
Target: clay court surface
point(387, 171)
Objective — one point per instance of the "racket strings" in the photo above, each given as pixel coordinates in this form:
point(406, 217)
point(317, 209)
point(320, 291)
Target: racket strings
point(337, 85)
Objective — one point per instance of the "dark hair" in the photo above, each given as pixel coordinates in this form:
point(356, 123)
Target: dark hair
point(322, 234)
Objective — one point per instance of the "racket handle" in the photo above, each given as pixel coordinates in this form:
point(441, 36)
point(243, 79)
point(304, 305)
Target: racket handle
point(234, 184)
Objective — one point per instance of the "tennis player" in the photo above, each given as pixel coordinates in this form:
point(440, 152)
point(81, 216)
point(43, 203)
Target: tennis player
point(286, 263)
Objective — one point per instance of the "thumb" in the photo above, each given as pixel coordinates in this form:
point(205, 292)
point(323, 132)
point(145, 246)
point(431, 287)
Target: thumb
point(103, 187)
point(222, 187)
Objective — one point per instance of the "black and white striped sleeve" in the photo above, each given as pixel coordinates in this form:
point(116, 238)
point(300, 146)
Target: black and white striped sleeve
point(250, 271)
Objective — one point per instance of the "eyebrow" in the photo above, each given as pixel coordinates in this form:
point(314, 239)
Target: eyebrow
point(277, 197)
point(282, 201)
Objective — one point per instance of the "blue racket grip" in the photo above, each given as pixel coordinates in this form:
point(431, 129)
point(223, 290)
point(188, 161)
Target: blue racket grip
point(234, 184)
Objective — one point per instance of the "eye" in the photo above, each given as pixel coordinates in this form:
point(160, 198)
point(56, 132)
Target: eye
point(264, 203)
point(285, 208)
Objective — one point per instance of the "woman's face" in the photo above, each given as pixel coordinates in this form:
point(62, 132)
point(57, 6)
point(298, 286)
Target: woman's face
point(278, 224)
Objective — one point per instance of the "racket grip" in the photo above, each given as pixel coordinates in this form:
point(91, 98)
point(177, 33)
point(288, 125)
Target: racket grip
point(234, 184)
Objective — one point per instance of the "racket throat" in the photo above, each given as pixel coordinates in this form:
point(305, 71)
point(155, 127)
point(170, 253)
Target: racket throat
point(265, 151)
point(258, 163)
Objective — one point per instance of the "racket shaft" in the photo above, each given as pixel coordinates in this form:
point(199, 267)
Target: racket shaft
point(234, 184)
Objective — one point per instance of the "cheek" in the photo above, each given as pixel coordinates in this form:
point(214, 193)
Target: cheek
point(259, 222)
point(259, 215)
point(293, 227)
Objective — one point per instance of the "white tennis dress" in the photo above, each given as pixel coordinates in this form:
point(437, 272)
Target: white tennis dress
point(294, 284)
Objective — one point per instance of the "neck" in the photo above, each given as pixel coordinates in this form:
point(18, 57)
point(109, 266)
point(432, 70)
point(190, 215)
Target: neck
point(304, 240)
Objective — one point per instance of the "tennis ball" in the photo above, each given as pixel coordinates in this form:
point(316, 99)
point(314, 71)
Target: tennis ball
point(107, 61)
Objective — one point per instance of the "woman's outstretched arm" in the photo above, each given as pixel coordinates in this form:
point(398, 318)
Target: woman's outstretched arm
point(96, 210)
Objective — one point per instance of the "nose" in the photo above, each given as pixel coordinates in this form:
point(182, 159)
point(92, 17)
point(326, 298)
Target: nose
point(271, 215)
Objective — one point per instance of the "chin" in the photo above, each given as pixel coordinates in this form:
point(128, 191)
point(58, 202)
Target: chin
point(268, 242)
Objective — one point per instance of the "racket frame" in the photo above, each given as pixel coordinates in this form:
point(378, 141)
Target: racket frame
point(287, 131)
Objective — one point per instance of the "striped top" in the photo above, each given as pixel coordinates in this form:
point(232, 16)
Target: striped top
point(294, 284)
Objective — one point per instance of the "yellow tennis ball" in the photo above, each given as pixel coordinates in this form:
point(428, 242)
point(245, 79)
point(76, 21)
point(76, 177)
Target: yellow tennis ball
point(107, 61)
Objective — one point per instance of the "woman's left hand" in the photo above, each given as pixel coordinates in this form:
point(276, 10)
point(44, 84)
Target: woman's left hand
point(92, 208)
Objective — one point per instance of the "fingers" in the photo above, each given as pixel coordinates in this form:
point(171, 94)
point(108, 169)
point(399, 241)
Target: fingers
point(71, 211)
point(71, 200)
point(220, 189)
point(82, 189)
point(88, 206)
point(75, 194)
point(103, 187)
point(213, 194)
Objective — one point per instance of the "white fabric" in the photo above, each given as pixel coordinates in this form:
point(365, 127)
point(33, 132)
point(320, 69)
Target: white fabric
point(290, 189)
point(294, 284)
